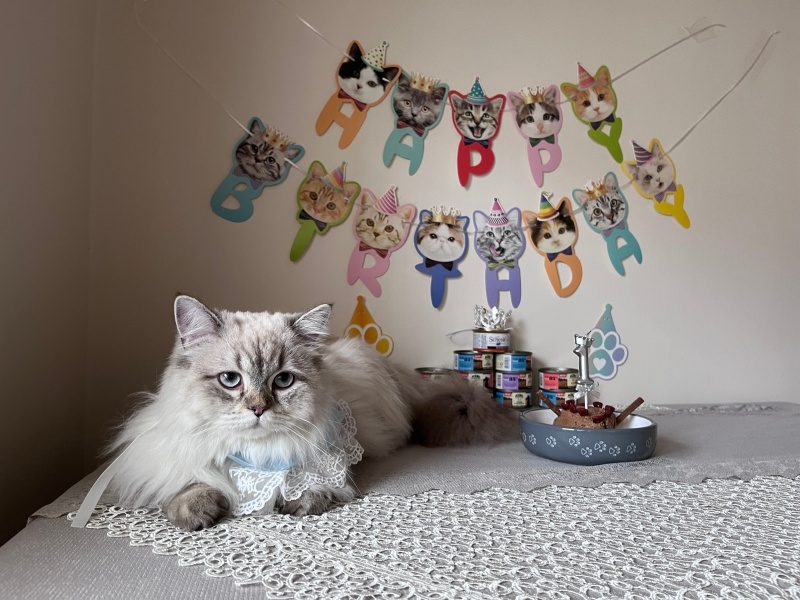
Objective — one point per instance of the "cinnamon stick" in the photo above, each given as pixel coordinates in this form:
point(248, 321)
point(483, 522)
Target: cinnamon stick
point(546, 400)
point(631, 407)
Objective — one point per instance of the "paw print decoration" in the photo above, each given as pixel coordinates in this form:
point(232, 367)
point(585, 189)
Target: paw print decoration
point(364, 327)
point(607, 352)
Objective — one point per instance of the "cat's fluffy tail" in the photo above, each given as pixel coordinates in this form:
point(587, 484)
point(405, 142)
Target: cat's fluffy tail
point(452, 411)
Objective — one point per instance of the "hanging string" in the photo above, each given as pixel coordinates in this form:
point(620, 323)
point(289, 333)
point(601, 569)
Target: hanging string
point(314, 29)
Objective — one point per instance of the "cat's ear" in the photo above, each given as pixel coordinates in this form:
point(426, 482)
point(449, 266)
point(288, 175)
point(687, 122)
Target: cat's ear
point(426, 217)
point(292, 152)
point(582, 198)
point(351, 191)
point(611, 182)
point(516, 100)
point(530, 219)
point(462, 223)
point(255, 128)
point(631, 169)
point(570, 91)
point(551, 95)
point(354, 53)
point(404, 82)
point(438, 93)
point(603, 76)
point(480, 220)
point(564, 210)
point(317, 170)
point(314, 323)
point(407, 214)
point(657, 150)
point(458, 102)
point(194, 320)
point(389, 74)
point(497, 104)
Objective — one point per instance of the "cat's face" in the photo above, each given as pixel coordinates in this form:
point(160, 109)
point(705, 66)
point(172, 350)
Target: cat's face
point(539, 119)
point(360, 81)
point(476, 121)
point(442, 242)
point(606, 211)
point(251, 379)
point(497, 243)
point(555, 235)
point(322, 202)
point(417, 108)
point(261, 160)
point(654, 176)
point(595, 103)
point(381, 231)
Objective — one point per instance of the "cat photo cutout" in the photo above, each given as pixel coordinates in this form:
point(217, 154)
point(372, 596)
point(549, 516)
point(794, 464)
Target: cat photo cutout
point(499, 243)
point(537, 115)
point(363, 80)
point(441, 241)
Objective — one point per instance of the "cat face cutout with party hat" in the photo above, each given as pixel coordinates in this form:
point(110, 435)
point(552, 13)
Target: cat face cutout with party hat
point(594, 102)
point(324, 200)
point(653, 175)
point(606, 211)
point(553, 233)
point(418, 103)
point(381, 227)
point(477, 119)
point(537, 115)
point(441, 239)
point(499, 243)
point(363, 80)
point(262, 158)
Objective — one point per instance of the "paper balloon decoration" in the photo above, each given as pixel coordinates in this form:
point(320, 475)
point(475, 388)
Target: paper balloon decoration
point(606, 210)
point(324, 200)
point(363, 80)
point(538, 118)
point(380, 227)
point(261, 159)
point(477, 119)
point(363, 326)
point(553, 233)
point(607, 352)
point(418, 102)
point(595, 103)
point(441, 241)
point(499, 243)
point(653, 175)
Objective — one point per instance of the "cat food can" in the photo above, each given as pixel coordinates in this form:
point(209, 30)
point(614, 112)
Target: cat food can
point(433, 372)
point(472, 360)
point(513, 381)
point(516, 399)
point(557, 396)
point(554, 378)
point(514, 362)
point(491, 341)
point(480, 378)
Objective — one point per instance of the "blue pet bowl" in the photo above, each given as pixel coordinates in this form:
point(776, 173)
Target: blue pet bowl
point(634, 439)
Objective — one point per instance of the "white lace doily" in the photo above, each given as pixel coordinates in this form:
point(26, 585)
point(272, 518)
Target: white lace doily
point(723, 538)
point(259, 488)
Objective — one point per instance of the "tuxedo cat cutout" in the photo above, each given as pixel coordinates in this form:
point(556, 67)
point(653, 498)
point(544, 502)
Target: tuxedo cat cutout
point(363, 80)
point(553, 233)
point(653, 175)
point(477, 119)
point(606, 210)
point(262, 158)
point(538, 119)
point(380, 227)
point(499, 243)
point(441, 241)
point(594, 102)
point(418, 103)
point(324, 201)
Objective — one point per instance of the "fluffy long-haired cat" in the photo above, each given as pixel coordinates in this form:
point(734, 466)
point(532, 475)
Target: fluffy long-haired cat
point(265, 387)
point(261, 161)
point(595, 103)
point(360, 81)
point(439, 241)
point(554, 235)
point(476, 121)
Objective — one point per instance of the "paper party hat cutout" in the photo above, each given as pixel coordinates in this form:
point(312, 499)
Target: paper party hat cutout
point(476, 94)
point(335, 179)
point(387, 204)
point(376, 58)
point(363, 326)
point(497, 217)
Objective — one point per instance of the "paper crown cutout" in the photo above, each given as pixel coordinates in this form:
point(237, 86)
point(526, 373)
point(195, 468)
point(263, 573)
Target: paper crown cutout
point(448, 215)
point(497, 218)
point(642, 155)
point(585, 80)
point(335, 179)
point(476, 94)
point(595, 189)
point(423, 82)
point(376, 58)
point(387, 204)
point(531, 95)
point(276, 139)
point(546, 210)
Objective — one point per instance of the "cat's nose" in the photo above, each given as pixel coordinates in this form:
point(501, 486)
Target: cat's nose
point(258, 411)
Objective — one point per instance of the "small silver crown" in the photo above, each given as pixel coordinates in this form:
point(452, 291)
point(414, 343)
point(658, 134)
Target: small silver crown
point(491, 320)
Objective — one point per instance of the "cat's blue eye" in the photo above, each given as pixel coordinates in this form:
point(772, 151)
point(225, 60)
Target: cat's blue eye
point(283, 380)
point(229, 380)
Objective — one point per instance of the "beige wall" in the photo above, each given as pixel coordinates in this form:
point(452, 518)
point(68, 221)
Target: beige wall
point(710, 315)
point(46, 60)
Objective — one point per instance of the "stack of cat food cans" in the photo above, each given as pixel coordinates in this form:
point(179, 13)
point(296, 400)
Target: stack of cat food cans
point(492, 364)
point(558, 383)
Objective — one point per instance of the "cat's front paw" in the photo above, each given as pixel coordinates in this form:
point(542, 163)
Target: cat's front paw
point(309, 503)
point(197, 506)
